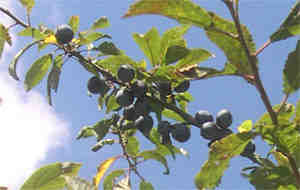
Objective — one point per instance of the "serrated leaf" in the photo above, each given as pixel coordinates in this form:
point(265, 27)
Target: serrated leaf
point(290, 26)
point(195, 56)
point(149, 43)
point(102, 143)
point(12, 68)
point(223, 33)
point(144, 185)
point(74, 23)
point(183, 11)
point(49, 177)
point(153, 155)
point(28, 4)
point(132, 146)
point(246, 126)
point(32, 32)
point(219, 157)
point(108, 48)
point(175, 53)
point(100, 23)
point(109, 179)
point(291, 71)
point(102, 168)
point(37, 71)
point(85, 132)
point(77, 183)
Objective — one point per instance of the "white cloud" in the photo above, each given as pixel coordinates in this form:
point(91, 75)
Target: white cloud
point(29, 128)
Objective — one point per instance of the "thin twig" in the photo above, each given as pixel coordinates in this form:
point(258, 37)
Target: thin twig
point(283, 103)
point(262, 48)
point(18, 21)
point(252, 60)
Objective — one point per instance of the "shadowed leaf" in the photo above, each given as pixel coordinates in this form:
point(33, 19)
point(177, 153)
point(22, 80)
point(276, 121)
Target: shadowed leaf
point(109, 179)
point(100, 23)
point(74, 23)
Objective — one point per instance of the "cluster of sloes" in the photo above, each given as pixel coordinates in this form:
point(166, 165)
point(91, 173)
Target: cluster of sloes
point(219, 129)
point(131, 97)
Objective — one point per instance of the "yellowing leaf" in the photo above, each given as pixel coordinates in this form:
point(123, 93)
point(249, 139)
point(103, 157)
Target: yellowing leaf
point(102, 169)
point(50, 39)
point(75, 41)
point(246, 126)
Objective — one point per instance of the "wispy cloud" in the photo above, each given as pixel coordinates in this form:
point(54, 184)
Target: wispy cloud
point(29, 127)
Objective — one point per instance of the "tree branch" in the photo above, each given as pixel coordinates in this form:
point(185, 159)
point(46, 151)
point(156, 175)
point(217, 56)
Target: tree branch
point(262, 48)
point(17, 20)
point(252, 60)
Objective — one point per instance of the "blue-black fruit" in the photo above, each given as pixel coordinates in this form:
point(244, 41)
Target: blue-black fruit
point(224, 118)
point(181, 132)
point(163, 127)
point(124, 98)
point(97, 86)
point(139, 89)
point(211, 131)
point(249, 149)
point(183, 86)
point(144, 124)
point(203, 116)
point(64, 34)
point(164, 87)
point(129, 113)
point(223, 133)
point(142, 107)
point(126, 73)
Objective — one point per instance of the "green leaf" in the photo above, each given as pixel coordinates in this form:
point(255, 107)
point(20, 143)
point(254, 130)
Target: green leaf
point(77, 183)
point(101, 128)
point(74, 23)
point(100, 23)
point(133, 146)
point(90, 37)
point(175, 53)
point(246, 126)
point(109, 179)
point(219, 157)
point(291, 71)
point(85, 132)
point(32, 32)
point(102, 143)
point(290, 26)
point(28, 4)
point(37, 71)
point(223, 33)
point(150, 45)
point(297, 116)
point(12, 68)
point(50, 177)
point(4, 37)
point(183, 11)
point(144, 185)
point(195, 56)
point(108, 48)
point(54, 75)
point(172, 115)
point(153, 155)
point(111, 102)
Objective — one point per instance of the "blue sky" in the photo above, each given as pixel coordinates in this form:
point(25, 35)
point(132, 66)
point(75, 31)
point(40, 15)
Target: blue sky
point(36, 134)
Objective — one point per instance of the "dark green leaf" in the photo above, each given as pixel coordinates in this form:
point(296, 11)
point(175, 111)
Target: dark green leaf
point(32, 32)
point(109, 179)
point(132, 146)
point(153, 155)
point(101, 128)
point(85, 132)
point(150, 45)
point(183, 11)
point(175, 53)
point(102, 143)
point(37, 71)
point(144, 185)
point(195, 56)
point(74, 23)
point(108, 48)
point(297, 116)
point(290, 26)
point(291, 71)
point(13, 65)
point(111, 102)
point(223, 33)
point(219, 157)
point(90, 37)
point(50, 177)
point(28, 4)
point(100, 23)
point(77, 183)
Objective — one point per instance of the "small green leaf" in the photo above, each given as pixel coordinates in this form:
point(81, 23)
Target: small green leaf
point(90, 37)
point(28, 4)
point(109, 179)
point(85, 132)
point(219, 157)
point(4, 37)
point(32, 32)
point(111, 102)
point(291, 71)
point(172, 115)
point(108, 48)
point(12, 68)
point(153, 155)
point(297, 116)
point(246, 126)
point(100, 23)
point(77, 183)
point(133, 146)
point(183, 11)
point(102, 143)
point(101, 128)
point(290, 26)
point(74, 23)
point(37, 71)
point(144, 185)
point(175, 53)
point(150, 45)
point(195, 56)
